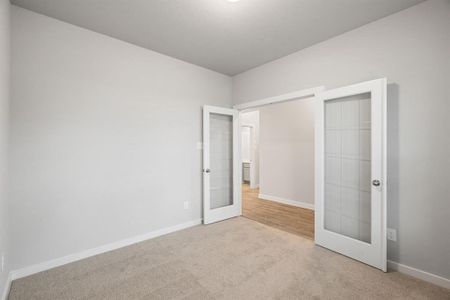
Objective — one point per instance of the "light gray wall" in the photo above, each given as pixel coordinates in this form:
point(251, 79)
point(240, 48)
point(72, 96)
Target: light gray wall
point(411, 48)
point(4, 130)
point(286, 151)
point(104, 138)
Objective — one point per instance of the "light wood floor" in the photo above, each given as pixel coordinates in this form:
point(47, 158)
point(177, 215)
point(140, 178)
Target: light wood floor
point(289, 218)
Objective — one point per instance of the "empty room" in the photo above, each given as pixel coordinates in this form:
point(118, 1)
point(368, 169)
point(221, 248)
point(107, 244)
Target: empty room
point(277, 154)
point(224, 149)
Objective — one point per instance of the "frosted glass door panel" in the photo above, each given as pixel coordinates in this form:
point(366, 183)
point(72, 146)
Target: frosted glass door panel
point(348, 166)
point(350, 185)
point(221, 160)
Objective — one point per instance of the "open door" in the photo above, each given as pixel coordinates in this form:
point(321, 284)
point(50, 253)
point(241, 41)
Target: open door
point(221, 164)
point(350, 185)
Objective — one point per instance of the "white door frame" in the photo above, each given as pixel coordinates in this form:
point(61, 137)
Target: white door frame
point(297, 95)
point(304, 94)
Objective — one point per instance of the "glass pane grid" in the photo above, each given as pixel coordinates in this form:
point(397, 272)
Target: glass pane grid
point(347, 166)
point(221, 160)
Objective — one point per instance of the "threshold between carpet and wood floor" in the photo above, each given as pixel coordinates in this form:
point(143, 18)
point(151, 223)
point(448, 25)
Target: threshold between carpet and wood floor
point(286, 217)
point(234, 259)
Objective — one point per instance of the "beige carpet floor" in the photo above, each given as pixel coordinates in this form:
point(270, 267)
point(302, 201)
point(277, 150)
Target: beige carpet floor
point(233, 259)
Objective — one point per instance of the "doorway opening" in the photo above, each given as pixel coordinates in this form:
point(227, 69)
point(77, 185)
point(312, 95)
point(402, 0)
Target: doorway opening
point(277, 153)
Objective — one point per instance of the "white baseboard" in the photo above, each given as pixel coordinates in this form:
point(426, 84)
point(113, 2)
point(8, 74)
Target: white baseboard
point(425, 276)
point(7, 287)
point(287, 201)
point(30, 270)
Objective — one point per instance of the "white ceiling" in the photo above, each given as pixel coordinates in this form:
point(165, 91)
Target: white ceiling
point(226, 37)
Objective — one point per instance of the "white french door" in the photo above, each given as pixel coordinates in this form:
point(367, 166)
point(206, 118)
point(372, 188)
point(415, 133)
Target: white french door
point(350, 185)
point(221, 164)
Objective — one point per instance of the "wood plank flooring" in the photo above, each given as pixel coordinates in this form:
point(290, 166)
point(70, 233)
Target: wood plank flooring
point(289, 218)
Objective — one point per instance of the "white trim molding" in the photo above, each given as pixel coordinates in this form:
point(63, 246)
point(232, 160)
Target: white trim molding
point(286, 201)
point(33, 269)
point(425, 276)
point(306, 93)
point(7, 287)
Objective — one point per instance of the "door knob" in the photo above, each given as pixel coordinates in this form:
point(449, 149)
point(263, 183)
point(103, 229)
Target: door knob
point(207, 170)
point(376, 182)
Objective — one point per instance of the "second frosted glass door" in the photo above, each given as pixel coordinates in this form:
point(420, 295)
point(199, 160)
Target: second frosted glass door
point(221, 172)
point(350, 182)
